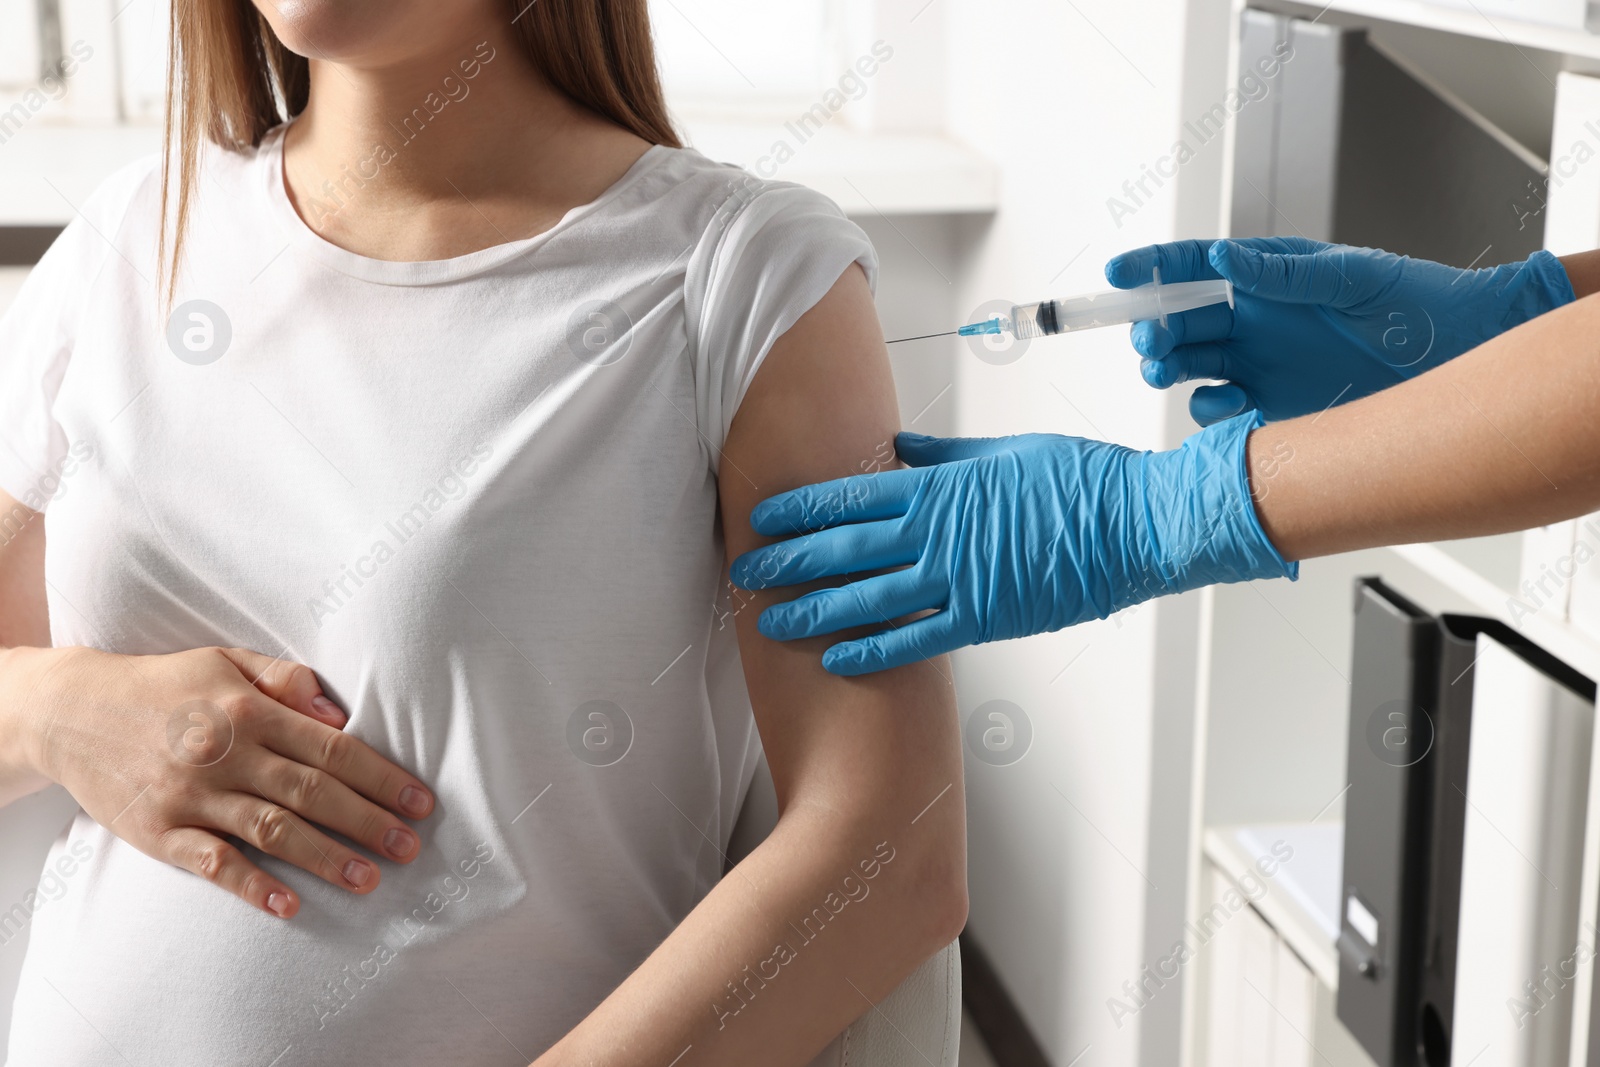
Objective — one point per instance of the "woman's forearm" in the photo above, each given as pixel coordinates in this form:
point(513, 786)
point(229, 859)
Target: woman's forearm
point(1503, 438)
point(818, 924)
point(24, 641)
point(21, 769)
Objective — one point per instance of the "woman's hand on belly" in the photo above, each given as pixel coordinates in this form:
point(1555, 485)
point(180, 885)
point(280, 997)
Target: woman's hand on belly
point(174, 754)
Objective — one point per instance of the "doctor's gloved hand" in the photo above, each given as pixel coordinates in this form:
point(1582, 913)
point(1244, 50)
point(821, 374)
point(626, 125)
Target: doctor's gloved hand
point(1006, 537)
point(1315, 325)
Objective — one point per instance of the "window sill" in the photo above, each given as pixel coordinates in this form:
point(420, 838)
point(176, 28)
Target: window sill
point(47, 171)
point(864, 173)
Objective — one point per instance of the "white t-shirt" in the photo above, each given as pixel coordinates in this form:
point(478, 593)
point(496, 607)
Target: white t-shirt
point(485, 512)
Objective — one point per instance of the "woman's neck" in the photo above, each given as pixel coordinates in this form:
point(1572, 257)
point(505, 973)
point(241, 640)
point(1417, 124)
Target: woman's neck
point(445, 153)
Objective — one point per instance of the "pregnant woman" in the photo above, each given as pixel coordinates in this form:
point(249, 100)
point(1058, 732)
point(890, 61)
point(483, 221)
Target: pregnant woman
point(369, 469)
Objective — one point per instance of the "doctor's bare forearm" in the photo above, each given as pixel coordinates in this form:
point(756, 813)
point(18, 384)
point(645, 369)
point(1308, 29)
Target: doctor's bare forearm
point(1503, 438)
point(1583, 271)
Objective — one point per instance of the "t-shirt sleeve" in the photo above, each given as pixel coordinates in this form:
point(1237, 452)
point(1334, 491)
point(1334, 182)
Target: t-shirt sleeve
point(37, 333)
point(770, 258)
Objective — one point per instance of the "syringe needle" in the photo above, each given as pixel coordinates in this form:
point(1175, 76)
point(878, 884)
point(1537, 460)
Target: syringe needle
point(923, 337)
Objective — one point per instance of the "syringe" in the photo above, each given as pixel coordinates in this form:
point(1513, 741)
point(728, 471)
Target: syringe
point(1110, 308)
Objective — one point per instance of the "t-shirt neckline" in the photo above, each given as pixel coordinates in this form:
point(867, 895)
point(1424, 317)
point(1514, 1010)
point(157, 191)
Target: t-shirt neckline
point(417, 272)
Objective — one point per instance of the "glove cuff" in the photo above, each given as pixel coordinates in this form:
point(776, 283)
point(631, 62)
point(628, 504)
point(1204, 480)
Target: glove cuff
point(1200, 514)
point(1528, 289)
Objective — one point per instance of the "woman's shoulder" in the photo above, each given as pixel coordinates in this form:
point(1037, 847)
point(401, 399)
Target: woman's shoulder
point(722, 191)
point(134, 190)
point(736, 216)
point(115, 222)
point(128, 186)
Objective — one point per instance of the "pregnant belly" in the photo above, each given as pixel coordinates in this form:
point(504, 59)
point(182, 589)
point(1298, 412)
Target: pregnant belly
point(451, 959)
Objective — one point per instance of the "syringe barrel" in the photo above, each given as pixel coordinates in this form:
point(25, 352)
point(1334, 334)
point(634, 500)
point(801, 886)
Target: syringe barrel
point(1115, 307)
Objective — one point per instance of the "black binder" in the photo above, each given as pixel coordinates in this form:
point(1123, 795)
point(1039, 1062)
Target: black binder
point(1392, 753)
point(1410, 740)
point(1436, 994)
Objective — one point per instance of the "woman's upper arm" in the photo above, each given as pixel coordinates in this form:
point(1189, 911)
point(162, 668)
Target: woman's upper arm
point(24, 620)
point(823, 406)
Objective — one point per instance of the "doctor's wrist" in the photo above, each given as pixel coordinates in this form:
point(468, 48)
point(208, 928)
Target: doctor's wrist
point(1202, 503)
point(1539, 284)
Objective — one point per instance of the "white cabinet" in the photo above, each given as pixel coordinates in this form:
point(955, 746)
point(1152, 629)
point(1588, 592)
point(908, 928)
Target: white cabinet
point(1263, 1004)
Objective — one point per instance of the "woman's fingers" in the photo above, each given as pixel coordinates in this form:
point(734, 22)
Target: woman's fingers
point(352, 762)
point(279, 832)
point(340, 763)
point(321, 798)
point(294, 685)
point(203, 853)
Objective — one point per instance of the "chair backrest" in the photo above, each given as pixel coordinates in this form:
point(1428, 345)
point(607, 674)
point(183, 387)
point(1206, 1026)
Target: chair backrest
point(917, 1024)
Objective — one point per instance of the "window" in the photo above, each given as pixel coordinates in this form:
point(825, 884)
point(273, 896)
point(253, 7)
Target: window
point(20, 61)
point(142, 27)
point(65, 61)
point(738, 59)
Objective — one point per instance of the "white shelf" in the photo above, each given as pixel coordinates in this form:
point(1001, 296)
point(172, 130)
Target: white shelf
point(1284, 904)
point(864, 173)
point(1471, 23)
point(1560, 639)
point(46, 171)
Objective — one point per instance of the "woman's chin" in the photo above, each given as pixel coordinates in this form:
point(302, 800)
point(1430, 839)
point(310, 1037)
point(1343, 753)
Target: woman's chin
point(346, 30)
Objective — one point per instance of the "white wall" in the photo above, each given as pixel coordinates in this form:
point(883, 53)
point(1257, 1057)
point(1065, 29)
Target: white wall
point(1077, 850)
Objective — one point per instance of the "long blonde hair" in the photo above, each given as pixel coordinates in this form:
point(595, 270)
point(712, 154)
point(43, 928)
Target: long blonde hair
point(231, 80)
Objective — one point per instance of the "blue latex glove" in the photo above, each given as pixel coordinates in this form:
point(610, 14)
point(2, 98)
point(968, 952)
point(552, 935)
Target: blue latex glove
point(1316, 324)
point(1007, 537)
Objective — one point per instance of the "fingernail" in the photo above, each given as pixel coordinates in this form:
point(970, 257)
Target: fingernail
point(279, 903)
point(400, 842)
point(327, 709)
point(413, 801)
point(356, 872)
